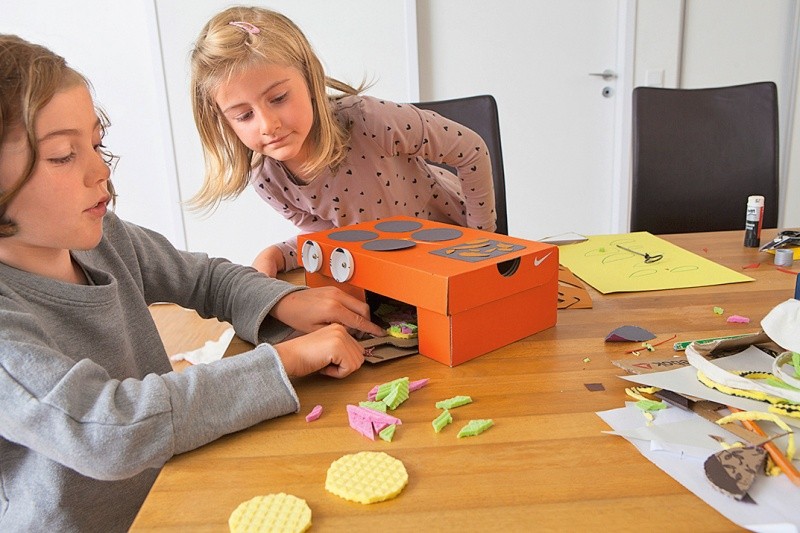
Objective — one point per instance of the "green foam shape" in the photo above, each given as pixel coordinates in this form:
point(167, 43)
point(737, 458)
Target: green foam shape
point(385, 388)
point(375, 406)
point(475, 427)
point(397, 395)
point(387, 433)
point(455, 401)
point(796, 364)
point(650, 405)
point(775, 382)
point(442, 420)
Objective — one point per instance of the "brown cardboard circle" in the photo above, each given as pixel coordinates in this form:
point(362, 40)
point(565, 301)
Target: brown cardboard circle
point(388, 245)
point(353, 235)
point(398, 226)
point(437, 234)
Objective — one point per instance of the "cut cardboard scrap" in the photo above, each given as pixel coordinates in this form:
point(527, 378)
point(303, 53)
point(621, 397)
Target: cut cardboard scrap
point(629, 334)
point(366, 477)
point(733, 471)
point(381, 349)
point(752, 416)
point(594, 387)
point(273, 512)
point(572, 294)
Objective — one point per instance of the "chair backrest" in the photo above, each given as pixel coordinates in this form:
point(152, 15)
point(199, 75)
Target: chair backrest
point(479, 113)
point(699, 153)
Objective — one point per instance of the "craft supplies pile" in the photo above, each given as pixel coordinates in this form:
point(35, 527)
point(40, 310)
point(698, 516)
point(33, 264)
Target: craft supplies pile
point(724, 424)
point(782, 326)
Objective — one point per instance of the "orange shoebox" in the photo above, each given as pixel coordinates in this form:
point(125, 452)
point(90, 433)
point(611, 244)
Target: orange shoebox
point(474, 291)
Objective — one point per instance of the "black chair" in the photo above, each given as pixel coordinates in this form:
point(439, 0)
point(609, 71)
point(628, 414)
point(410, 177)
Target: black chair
point(479, 113)
point(699, 153)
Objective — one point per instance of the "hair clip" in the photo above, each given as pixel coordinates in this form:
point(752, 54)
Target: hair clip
point(246, 26)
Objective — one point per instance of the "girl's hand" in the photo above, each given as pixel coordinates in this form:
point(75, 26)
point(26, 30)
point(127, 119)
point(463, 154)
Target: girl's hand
point(330, 350)
point(311, 309)
point(269, 261)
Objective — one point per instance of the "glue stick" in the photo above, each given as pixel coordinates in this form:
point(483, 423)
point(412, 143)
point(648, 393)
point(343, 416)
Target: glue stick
point(753, 220)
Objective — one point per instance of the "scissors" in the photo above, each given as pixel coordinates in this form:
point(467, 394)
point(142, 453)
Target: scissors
point(784, 238)
point(647, 257)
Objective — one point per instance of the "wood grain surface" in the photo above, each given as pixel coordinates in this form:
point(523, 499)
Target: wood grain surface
point(544, 466)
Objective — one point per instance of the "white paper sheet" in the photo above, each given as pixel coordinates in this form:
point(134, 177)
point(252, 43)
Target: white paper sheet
point(777, 499)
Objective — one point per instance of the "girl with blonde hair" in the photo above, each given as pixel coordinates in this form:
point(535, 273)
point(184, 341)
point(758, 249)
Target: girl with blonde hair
point(265, 117)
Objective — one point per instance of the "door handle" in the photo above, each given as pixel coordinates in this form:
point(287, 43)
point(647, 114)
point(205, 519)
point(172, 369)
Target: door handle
point(607, 74)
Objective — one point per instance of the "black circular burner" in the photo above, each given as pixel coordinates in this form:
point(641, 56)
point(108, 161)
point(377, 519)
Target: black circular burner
point(387, 245)
point(437, 234)
point(353, 235)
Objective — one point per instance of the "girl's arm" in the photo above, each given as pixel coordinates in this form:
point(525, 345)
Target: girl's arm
point(69, 408)
point(304, 221)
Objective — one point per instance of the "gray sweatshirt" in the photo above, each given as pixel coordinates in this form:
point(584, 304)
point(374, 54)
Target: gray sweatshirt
point(89, 407)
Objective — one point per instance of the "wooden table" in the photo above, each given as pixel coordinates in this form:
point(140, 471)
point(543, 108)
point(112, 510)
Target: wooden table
point(545, 465)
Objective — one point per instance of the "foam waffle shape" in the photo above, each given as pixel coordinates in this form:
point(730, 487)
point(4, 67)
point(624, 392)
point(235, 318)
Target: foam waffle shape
point(279, 513)
point(366, 477)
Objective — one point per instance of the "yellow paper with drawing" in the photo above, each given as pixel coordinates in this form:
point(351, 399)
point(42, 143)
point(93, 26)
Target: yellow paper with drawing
point(630, 262)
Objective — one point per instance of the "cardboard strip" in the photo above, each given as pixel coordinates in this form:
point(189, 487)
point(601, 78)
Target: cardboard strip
point(381, 349)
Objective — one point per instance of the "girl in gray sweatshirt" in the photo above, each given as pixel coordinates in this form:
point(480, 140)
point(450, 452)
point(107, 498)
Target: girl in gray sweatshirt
point(89, 406)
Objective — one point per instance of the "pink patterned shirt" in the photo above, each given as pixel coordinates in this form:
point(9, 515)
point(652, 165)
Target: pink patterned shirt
point(386, 173)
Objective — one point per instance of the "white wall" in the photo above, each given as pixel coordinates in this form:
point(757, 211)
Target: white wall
point(557, 129)
point(114, 44)
point(136, 52)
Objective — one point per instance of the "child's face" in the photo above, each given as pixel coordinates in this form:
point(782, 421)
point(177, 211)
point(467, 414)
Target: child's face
point(62, 205)
point(269, 108)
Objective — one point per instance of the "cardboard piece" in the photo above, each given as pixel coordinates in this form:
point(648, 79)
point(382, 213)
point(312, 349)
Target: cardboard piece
point(464, 309)
point(638, 366)
point(732, 471)
point(381, 349)
point(629, 333)
point(571, 292)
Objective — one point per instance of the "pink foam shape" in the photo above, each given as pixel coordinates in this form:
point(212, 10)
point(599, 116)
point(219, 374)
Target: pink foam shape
point(418, 384)
point(315, 413)
point(374, 417)
point(360, 423)
point(737, 319)
point(373, 393)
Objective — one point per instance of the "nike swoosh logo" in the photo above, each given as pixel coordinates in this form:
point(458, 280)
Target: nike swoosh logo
point(538, 260)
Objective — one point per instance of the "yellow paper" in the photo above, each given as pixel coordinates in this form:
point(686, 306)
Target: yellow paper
point(606, 267)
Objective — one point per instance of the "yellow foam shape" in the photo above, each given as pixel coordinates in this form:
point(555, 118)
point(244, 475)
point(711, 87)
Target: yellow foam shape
point(366, 477)
point(274, 512)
